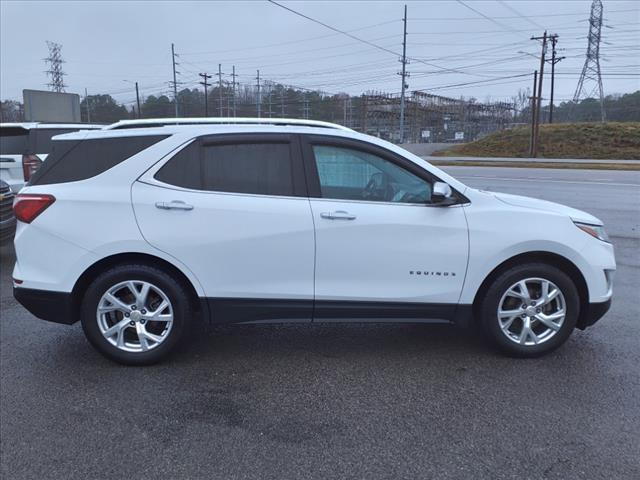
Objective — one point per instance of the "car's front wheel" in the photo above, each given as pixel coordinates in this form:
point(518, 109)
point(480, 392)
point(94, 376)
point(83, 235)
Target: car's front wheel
point(529, 310)
point(135, 314)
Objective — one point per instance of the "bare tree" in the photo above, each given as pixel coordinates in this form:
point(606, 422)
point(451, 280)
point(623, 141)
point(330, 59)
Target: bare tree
point(11, 111)
point(521, 100)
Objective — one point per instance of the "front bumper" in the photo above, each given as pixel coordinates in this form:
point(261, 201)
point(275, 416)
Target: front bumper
point(593, 313)
point(55, 307)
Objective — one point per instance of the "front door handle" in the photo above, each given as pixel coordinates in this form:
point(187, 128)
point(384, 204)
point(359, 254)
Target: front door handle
point(174, 205)
point(338, 215)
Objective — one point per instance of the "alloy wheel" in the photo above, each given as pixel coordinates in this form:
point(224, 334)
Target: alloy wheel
point(135, 316)
point(531, 311)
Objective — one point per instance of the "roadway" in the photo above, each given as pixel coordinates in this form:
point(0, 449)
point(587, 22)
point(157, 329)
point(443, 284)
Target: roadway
point(339, 401)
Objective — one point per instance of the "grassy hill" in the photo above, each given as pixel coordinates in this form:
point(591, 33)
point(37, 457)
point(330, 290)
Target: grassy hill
point(615, 140)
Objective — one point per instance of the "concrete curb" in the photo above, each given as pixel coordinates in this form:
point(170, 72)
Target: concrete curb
point(558, 163)
point(562, 166)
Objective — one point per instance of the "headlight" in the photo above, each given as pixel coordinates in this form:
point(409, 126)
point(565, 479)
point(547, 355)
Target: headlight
point(596, 231)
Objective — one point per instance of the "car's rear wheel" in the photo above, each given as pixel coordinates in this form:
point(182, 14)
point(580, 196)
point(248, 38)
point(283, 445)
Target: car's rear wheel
point(135, 314)
point(529, 310)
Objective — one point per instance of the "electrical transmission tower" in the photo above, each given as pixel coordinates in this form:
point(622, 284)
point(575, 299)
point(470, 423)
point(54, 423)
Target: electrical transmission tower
point(55, 61)
point(591, 79)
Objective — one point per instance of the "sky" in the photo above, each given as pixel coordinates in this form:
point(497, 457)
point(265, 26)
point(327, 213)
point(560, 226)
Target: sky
point(474, 48)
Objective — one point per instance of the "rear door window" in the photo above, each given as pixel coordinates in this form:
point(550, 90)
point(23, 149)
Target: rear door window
point(14, 140)
point(262, 167)
point(73, 160)
point(258, 168)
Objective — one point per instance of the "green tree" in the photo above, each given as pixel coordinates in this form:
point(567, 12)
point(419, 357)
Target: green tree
point(157, 107)
point(103, 109)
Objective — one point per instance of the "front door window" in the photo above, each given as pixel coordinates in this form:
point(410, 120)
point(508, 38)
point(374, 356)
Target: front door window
point(350, 174)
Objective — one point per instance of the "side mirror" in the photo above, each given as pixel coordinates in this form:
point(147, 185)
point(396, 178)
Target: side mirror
point(442, 194)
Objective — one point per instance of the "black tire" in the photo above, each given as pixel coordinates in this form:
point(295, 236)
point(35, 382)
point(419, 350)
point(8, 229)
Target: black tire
point(495, 291)
point(172, 289)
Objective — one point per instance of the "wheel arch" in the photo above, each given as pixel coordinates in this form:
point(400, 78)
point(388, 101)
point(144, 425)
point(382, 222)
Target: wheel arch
point(549, 258)
point(105, 263)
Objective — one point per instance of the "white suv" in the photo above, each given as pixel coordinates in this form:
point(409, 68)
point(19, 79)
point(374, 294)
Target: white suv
point(136, 231)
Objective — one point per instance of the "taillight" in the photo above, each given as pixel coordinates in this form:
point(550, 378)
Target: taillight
point(27, 206)
point(30, 163)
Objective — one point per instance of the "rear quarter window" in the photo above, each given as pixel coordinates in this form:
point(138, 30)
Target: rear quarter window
point(40, 138)
point(74, 160)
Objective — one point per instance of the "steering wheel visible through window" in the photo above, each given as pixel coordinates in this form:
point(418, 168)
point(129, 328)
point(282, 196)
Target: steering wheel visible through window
point(350, 174)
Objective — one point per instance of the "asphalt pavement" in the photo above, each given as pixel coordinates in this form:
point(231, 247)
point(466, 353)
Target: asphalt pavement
point(340, 401)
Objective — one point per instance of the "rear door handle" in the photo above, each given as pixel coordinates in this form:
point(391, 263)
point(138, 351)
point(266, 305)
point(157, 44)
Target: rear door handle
point(174, 205)
point(338, 215)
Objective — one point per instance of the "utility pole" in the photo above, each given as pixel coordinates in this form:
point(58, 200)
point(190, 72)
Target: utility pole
point(258, 99)
point(532, 107)
point(344, 111)
point(539, 99)
point(86, 101)
point(305, 106)
point(282, 102)
point(175, 82)
point(554, 60)
point(138, 101)
point(220, 88)
point(205, 77)
point(233, 76)
point(403, 74)
point(269, 87)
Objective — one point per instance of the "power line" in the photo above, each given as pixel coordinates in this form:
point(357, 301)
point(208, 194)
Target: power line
point(303, 51)
point(492, 20)
point(528, 19)
point(439, 87)
point(343, 32)
point(524, 16)
point(366, 41)
point(289, 42)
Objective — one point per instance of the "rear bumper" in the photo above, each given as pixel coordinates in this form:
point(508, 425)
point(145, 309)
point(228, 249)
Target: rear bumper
point(593, 313)
point(48, 305)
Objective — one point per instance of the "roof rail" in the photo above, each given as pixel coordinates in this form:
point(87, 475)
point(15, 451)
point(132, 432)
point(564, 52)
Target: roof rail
point(161, 122)
point(28, 125)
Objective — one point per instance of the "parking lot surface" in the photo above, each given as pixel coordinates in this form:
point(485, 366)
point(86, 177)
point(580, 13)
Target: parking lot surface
point(329, 401)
